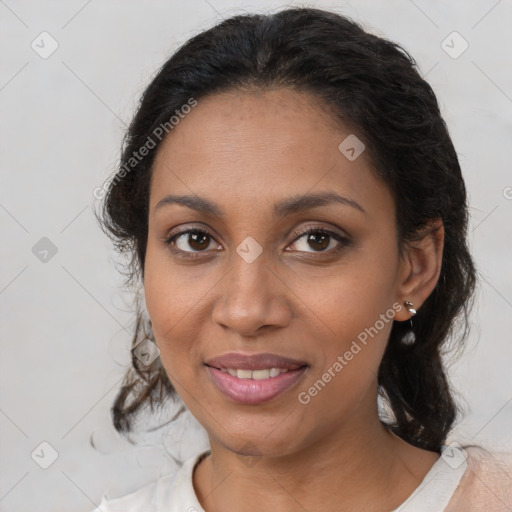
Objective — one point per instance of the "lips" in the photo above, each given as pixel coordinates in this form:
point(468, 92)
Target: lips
point(231, 374)
point(255, 392)
point(261, 361)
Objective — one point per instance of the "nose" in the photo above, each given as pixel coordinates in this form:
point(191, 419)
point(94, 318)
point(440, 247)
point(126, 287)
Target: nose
point(252, 298)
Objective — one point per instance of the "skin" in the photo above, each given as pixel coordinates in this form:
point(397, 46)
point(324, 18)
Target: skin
point(247, 150)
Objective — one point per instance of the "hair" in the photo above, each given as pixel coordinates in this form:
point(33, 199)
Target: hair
point(364, 80)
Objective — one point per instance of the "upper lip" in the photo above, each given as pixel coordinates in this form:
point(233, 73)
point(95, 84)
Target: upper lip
point(237, 360)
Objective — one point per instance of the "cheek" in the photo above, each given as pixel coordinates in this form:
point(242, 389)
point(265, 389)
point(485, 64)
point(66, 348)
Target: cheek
point(350, 357)
point(355, 294)
point(356, 311)
point(170, 303)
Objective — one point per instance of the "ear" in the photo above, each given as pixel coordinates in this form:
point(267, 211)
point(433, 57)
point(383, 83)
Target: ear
point(420, 267)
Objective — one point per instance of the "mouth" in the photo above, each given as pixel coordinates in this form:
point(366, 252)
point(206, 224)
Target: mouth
point(265, 361)
point(261, 374)
point(254, 379)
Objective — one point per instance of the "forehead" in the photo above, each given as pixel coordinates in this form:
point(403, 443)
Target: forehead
point(259, 146)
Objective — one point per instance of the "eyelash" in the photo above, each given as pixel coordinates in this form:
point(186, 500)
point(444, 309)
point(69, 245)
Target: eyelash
point(343, 241)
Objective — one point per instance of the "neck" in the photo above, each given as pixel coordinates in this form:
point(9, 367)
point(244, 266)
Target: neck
point(355, 468)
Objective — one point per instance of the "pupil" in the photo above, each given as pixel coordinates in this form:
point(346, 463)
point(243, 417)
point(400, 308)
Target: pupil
point(323, 237)
point(196, 237)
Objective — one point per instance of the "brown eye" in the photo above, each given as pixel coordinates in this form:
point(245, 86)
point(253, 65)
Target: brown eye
point(319, 240)
point(199, 241)
point(195, 239)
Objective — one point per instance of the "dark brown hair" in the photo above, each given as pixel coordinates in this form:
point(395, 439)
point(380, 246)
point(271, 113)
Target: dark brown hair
point(363, 79)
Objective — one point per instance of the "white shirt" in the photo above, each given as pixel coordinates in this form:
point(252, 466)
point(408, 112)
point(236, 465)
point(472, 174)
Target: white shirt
point(175, 492)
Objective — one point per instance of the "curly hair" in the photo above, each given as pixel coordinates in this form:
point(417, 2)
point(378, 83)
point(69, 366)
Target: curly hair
point(362, 79)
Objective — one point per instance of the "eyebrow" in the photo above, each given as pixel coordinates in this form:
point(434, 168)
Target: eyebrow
point(282, 209)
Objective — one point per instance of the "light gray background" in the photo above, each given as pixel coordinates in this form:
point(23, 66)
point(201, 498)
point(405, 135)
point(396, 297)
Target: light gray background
point(65, 323)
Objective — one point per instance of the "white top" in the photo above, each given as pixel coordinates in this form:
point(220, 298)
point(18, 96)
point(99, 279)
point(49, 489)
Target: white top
point(175, 492)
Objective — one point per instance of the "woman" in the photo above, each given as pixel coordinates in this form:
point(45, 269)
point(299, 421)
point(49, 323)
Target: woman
point(296, 215)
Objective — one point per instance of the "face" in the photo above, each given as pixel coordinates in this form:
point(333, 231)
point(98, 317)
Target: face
point(263, 269)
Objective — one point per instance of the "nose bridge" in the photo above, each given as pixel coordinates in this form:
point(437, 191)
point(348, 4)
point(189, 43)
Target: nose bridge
point(251, 295)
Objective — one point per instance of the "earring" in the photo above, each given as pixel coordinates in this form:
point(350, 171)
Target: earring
point(409, 306)
point(410, 337)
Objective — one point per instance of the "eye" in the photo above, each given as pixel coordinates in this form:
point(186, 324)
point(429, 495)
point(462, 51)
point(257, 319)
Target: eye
point(320, 240)
point(197, 239)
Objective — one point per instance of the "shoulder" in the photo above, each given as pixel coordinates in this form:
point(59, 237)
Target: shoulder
point(168, 493)
point(143, 499)
point(487, 482)
point(464, 479)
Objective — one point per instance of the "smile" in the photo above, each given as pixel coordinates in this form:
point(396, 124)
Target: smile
point(254, 374)
point(253, 387)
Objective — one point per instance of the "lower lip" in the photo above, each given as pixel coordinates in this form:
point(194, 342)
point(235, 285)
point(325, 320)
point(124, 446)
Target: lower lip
point(251, 391)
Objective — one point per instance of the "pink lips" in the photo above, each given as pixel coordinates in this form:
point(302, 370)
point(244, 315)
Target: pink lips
point(250, 391)
point(254, 361)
